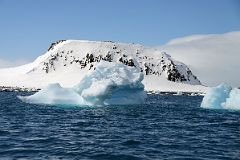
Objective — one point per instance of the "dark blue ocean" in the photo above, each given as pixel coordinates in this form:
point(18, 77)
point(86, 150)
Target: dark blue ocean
point(165, 127)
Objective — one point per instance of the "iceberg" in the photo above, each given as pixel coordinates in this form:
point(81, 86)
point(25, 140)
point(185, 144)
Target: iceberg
point(109, 84)
point(222, 97)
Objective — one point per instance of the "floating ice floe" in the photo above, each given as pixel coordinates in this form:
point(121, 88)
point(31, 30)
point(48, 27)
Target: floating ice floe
point(109, 84)
point(222, 97)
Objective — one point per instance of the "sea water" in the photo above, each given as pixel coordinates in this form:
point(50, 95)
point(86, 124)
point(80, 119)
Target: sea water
point(164, 127)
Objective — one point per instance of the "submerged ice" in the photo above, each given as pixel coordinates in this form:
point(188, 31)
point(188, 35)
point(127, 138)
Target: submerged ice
point(110, 83)
point(222, 97)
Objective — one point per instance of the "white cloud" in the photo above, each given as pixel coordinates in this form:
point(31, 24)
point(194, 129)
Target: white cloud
point(7, 63)
point(213, 58)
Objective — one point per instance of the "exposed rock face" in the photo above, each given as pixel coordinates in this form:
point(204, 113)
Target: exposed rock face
point(54, 44)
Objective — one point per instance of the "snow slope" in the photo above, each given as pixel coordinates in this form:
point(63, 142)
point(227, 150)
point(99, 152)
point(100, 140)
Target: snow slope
point(68, 61)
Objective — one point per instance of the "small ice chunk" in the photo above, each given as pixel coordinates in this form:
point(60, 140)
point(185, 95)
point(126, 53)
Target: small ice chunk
point(222, 97)
point(216, 96)
point(233, 102)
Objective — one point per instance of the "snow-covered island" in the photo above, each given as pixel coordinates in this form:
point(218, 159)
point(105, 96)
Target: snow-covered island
point(67, 61)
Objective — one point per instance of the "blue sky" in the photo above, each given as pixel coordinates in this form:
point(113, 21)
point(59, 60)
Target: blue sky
point(27, 27)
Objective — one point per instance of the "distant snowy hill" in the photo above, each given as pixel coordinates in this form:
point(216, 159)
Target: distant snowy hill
point(68, 61)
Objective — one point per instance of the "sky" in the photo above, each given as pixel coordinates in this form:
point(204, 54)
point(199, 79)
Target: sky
point(28, 27)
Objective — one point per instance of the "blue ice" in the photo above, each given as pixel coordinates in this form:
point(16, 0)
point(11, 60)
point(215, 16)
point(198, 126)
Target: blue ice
point(222, 97)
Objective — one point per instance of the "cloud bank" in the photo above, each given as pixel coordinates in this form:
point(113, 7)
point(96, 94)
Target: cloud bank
point(213, 58)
